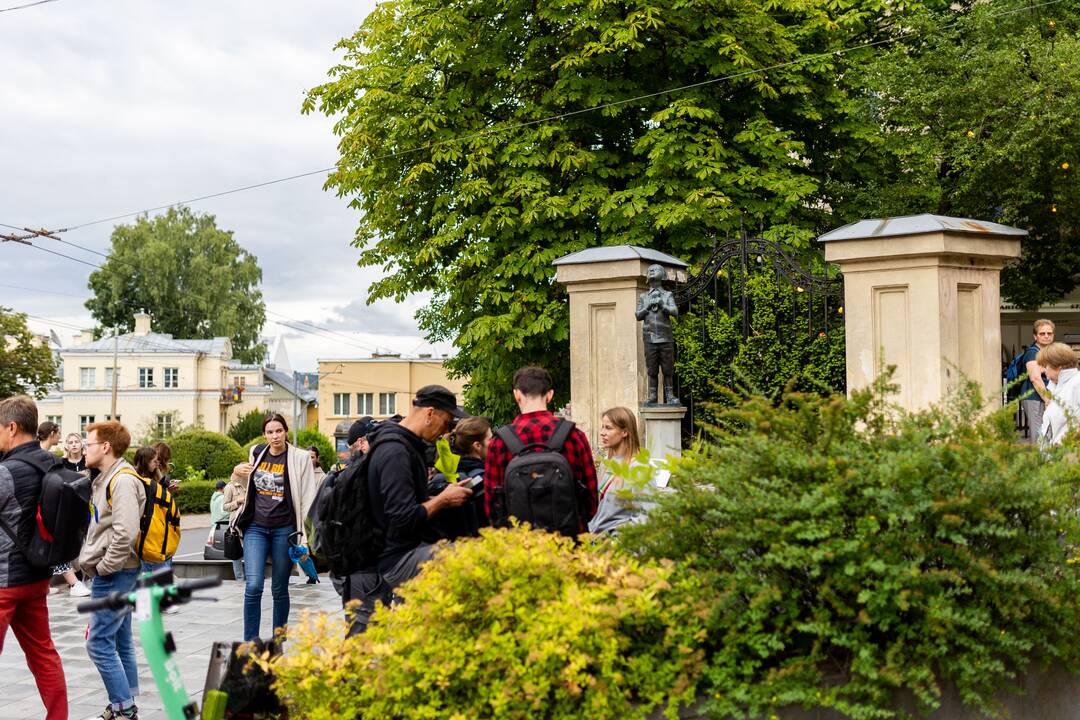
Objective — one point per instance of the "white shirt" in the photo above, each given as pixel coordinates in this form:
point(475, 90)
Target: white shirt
point(1063, 409)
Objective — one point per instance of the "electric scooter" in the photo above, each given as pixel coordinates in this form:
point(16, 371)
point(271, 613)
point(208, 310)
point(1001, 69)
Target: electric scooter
point(153, 593)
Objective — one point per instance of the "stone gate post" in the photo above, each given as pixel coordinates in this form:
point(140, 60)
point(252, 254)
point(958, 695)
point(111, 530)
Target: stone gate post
point(607, 355)
point(923, 293)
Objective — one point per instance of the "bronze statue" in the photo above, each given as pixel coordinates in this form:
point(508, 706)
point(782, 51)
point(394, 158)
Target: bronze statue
point(655, 306)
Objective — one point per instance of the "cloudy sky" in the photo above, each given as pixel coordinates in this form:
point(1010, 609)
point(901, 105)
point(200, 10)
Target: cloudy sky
point(115, 106)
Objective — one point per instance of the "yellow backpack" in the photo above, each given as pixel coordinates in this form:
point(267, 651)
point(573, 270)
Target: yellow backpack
point(159, 528)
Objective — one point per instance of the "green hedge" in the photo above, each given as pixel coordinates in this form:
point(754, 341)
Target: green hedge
point(854, 550)
point(203, 450)
point(193, 496)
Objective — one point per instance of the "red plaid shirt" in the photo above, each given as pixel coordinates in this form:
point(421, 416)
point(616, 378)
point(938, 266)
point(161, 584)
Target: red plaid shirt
point(537, 427)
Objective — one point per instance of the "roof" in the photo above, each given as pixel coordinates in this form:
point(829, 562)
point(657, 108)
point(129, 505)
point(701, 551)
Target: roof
point(917, 225)
point(285, 380)
point(154, 343)
point(619, 252)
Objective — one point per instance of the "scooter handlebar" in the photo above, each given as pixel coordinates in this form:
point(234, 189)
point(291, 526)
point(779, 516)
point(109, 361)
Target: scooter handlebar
point(199, 583)
point(112, 601)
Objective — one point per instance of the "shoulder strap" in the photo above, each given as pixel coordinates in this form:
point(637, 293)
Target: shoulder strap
point(559, 435)
point(3, 523)
point(510, 438)
point(112, 481)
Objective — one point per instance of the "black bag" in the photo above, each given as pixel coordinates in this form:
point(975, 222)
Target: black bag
point(61, 517)
point(538, 485)
point(348, 538)
point(232, 546)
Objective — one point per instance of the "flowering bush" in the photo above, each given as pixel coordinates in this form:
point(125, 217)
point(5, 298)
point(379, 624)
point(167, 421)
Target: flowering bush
point(515, 624)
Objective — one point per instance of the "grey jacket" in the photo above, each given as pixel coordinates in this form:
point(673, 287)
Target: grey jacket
point(114, 524)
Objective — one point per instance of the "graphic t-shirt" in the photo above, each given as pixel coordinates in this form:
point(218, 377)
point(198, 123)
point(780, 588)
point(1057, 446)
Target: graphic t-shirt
point(273, 508)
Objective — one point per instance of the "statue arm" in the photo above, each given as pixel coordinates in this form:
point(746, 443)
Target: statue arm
point(642, 306)
point(670, 308)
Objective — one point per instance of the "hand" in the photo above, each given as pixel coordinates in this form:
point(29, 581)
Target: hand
point(455, 495)
point(243, 469)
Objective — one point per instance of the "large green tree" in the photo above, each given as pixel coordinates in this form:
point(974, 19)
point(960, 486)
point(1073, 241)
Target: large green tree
point(469, 191)
point(26, 364)
point(978, 119)
point(192, 276)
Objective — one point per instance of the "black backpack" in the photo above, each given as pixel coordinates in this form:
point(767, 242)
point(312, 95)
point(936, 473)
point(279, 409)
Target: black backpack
point(538, 484)
point(346, 535)
point(61, 518)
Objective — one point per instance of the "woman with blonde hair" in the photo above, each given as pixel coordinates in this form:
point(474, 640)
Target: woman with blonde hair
point(1063, 409)
point(619, 437)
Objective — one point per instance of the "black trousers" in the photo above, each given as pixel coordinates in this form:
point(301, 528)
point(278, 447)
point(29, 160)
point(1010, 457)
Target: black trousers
point(660, 356)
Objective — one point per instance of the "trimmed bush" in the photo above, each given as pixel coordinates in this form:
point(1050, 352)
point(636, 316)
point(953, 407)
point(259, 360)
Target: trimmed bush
point(247, 427)
point(515, 624)
point(204, 450)
point(854, 550)
point(193, 497)
point(311, 436)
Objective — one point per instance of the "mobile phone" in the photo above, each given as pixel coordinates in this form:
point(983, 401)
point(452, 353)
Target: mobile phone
point(474, 482)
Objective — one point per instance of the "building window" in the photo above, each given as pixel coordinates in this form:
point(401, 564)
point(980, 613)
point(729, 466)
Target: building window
point(85, 420)
point(110, 417)
point(146, 377)
point(87, 379)
point(365, 404)
point(58, 419)
point(172, 377)
point(109, 376)
point(387, 403)
point(341, 403)
point(163, 422)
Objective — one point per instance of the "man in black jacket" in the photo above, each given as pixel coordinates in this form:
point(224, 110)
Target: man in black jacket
point(23, 587)
point(397, 484)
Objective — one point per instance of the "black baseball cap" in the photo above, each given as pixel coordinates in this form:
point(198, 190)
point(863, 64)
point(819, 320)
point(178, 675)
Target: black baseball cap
point(361, 428)
point(438, 397)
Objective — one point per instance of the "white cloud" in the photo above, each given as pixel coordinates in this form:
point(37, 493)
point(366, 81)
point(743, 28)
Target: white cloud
point(112, 107)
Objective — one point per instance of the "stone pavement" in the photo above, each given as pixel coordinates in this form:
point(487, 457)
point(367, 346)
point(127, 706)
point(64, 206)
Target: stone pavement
point(195, 627)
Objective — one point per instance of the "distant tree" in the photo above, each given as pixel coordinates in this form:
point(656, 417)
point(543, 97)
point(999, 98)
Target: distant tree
point(193, 277)
point(977, 119)
point(247, 427)
point(26, 365)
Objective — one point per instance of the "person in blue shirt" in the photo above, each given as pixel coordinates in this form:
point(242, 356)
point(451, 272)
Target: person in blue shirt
point(1033, 394)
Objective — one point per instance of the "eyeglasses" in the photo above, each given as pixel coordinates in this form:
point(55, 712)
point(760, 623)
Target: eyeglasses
point(101, 442)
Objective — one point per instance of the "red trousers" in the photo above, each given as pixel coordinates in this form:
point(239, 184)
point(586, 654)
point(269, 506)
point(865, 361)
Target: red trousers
point(24, 610)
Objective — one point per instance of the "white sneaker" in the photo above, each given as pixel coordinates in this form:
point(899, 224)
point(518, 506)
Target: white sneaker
point(79, 589)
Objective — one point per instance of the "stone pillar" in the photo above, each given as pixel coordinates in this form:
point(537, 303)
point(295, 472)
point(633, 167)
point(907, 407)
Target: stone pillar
point(663, 429)
point(923, 293)
point(607, 355)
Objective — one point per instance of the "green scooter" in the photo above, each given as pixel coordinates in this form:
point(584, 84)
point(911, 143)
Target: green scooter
point(153, 593)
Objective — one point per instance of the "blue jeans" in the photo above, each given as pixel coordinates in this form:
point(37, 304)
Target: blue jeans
point(109, 642)
point(261, 542)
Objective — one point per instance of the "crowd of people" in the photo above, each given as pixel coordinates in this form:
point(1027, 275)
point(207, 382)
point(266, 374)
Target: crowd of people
point(269, 497)
point(1050, 391)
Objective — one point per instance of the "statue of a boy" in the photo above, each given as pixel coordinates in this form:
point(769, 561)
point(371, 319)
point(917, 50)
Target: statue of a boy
point(655, 306)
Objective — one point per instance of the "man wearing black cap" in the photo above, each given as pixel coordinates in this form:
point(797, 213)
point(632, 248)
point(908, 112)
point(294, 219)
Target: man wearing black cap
point(356, 442)
point(397, 485)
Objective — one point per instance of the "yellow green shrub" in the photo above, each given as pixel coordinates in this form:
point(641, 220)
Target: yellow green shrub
point(515, 624)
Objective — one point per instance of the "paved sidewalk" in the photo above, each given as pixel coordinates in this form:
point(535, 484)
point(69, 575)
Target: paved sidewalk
point(195, 627)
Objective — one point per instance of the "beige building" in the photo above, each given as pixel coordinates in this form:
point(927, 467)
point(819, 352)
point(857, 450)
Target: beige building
point(380, 386)
point(160, 383)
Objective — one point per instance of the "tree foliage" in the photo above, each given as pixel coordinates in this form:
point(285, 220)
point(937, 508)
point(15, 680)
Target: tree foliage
point(469, 191)
point(247, 427)
point(193, 277)
point(852, 551)
point(978, 120)
point(26, 365)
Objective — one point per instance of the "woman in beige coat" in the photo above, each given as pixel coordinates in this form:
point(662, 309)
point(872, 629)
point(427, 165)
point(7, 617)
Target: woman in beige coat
point(280, 487)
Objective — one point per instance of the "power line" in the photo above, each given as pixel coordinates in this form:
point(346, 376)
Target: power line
point(28, 5)
point(37, 290)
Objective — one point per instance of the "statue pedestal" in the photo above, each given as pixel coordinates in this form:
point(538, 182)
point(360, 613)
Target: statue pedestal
point(663, 429)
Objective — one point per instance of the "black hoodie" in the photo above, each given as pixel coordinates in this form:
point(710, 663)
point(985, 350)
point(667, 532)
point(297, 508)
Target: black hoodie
point(397, 484)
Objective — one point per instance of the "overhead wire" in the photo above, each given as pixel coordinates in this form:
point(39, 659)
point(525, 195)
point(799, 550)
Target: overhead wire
point(27, 5)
